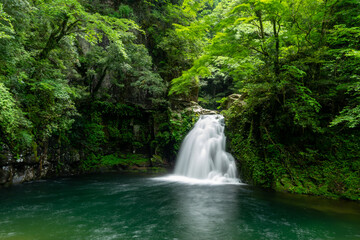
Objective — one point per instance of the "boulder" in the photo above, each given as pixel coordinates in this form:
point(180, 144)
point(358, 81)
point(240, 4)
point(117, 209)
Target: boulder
point(18, 177)
point(197, 109)
point(5, 174)
point(234, 99)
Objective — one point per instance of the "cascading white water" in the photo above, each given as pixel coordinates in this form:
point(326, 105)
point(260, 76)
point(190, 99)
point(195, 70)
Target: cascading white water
point(202, 154)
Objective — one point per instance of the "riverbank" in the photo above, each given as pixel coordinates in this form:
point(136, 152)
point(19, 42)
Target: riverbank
point(24, 170)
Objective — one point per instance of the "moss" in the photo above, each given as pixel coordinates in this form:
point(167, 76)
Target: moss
point(157, 160)
point(129, 160)
point(124, 160)
point(170, 130)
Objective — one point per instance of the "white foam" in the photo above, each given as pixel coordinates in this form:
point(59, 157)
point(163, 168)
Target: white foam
point(202, 156)
point(197, 181)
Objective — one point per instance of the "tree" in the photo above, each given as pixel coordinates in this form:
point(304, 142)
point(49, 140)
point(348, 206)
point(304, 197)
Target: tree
point(6, 27)
point(296, 65)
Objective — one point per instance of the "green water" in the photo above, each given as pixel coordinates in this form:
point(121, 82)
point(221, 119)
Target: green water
point(114, 206)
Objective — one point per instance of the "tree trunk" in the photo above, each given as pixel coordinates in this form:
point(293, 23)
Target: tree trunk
point(277, 49)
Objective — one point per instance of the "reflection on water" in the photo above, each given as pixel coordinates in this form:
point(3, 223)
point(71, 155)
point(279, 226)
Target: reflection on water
point(129, 207)
point(206, 212)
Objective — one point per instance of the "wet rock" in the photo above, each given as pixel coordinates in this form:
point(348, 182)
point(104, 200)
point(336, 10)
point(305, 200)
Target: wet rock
point(5, 174)
point(29, 174)
point(158, 161)
point(197, 109)
point(18, 177)
point(6, 156)
point(179, 104)
point(45, 170)
point(26, 167)
point(76, 156)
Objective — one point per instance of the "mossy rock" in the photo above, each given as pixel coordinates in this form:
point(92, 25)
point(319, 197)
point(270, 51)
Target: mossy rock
point(158, 160)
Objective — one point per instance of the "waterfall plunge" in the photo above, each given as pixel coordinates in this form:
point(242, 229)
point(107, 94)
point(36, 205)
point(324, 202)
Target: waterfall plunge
point(202, 154)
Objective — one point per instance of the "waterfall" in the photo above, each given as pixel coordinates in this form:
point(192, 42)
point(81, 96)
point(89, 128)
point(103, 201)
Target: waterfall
point(202, 154)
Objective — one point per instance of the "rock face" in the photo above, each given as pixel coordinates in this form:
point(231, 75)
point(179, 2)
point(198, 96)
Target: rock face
point(197, 109)
point(62, 161)
point(26, 167)
point(234, 100)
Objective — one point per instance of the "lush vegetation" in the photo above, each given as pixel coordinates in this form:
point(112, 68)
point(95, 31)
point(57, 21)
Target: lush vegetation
point(101, 78)
point(77, 76)
point(296, 65)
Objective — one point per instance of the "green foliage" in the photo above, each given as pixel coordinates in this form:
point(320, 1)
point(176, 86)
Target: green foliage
point(180, 125)
point(215, 88)
point(124, 11)
point(125, 161)
point(297, 64)
point(189, 79)
point(346, 64)
point(285, 166)
point(349, 116)
point(13, 124)
point(146, 83)
point(171, 131)
point(6, 28)
point(95, 75)
point(72, 71)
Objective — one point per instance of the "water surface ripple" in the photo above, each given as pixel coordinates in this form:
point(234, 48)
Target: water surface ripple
point(114, 206)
